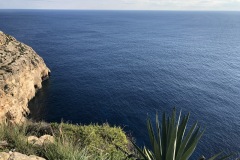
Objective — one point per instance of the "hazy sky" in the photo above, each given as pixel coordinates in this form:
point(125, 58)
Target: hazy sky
point(123, 4)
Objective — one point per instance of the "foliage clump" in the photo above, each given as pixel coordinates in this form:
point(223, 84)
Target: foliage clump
point(72, 142)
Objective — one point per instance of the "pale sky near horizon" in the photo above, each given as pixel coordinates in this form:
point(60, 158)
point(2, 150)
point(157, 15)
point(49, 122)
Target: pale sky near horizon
point(229, 5)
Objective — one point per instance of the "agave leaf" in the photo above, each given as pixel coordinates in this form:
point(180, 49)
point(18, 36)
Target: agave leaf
point(192, 147)
point(168, 131)
point(179, 118)
point(150, 132)
point(185, 141)
point(222, 158)
point(181, 131)
point(227, 156)
point(172, 142)
point(192, 139)
point(153, 140)
point(170, 123)
point(172, 146)
point(164, 136)
point(215, 156)
point(139, 150)
point(148, 154)
point(159, 145)
point(173, 118)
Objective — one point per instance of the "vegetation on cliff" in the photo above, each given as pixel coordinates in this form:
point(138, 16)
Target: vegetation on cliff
point(72, 142)
point(170, 140)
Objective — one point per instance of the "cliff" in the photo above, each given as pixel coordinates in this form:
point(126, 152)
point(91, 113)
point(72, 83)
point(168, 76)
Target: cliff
point(21, 74)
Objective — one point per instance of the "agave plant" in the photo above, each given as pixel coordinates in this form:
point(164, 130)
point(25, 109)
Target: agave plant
point(171, 141)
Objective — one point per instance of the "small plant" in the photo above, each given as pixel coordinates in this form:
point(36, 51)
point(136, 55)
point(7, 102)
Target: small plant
point(171, 142)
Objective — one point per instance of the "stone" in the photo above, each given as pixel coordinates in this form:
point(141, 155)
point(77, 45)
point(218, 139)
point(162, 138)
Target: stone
point(45, 139)
point(22, 71)
point(4, 156)
point(18, 156)
point(32, 139)
point(3, 144)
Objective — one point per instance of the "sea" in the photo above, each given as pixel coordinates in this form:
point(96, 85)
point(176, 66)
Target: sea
point(120, 67)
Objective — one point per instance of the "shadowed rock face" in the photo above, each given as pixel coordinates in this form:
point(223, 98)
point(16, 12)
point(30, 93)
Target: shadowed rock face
point(21, 74)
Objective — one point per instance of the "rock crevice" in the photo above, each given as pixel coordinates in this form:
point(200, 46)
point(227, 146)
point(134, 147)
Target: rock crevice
point(22, 71)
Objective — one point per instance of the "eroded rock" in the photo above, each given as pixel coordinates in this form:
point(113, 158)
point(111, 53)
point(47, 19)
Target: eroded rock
point(21, 74)
point(45, 139)
point(18, 156)
point(3, 144)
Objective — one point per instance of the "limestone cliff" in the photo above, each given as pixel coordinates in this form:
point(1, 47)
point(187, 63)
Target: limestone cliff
point(21, 74)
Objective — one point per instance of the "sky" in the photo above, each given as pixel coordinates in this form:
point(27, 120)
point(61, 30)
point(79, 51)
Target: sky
point(229, 5)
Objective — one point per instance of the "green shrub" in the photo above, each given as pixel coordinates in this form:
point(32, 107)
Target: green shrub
point(98, 139)
point(72, 142)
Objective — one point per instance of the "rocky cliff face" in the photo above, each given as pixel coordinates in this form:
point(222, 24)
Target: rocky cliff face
point(21, 74)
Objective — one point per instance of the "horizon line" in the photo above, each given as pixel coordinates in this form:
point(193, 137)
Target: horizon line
point(62, 9)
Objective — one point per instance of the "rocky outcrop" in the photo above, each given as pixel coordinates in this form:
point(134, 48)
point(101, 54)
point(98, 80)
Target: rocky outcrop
point(18, 156)
point(21, 74)
point(45, 139)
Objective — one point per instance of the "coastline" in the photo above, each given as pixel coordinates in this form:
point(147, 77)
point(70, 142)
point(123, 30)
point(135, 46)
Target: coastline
point(22, 71)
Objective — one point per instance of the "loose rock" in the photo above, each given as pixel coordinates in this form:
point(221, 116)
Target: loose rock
point(45, 139)
point(18, 156)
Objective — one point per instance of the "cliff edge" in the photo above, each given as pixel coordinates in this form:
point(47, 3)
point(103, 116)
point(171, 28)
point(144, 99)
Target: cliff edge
point(22, 71)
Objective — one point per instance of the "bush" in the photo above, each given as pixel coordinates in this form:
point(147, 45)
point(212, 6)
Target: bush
point(72, 142)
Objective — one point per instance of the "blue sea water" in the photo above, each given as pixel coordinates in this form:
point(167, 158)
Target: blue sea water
point(120, 66)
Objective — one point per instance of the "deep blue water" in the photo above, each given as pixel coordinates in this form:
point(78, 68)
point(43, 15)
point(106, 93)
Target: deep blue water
point(119, 66)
